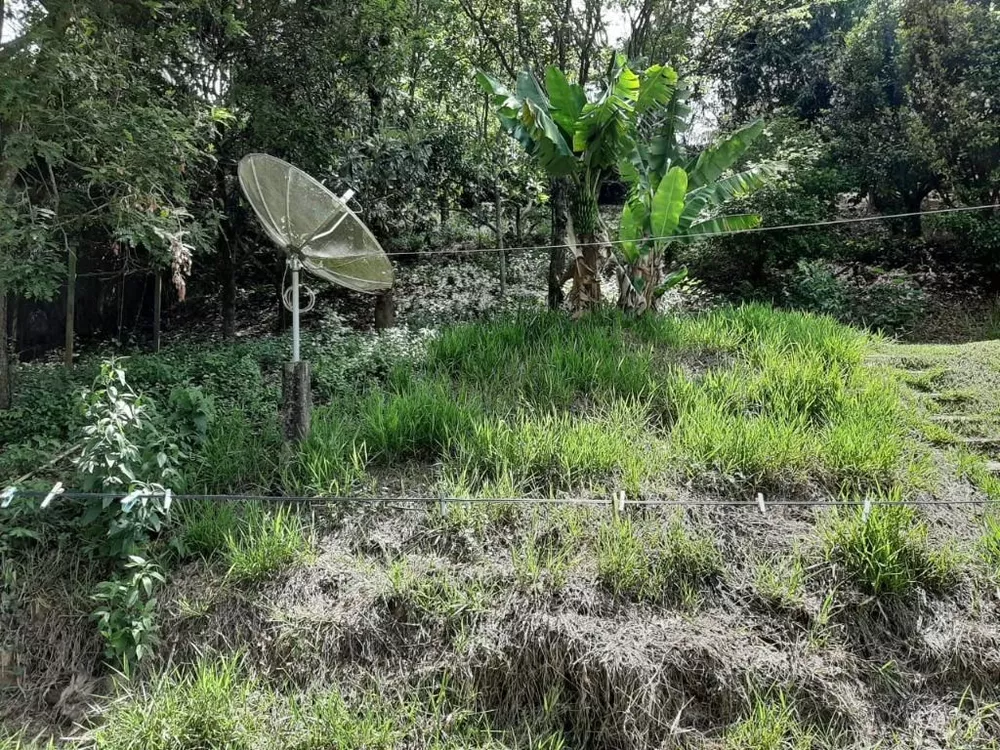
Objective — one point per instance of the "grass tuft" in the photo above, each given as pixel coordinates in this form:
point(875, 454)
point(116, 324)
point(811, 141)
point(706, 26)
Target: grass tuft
point(267, 541)
point(210, 706)
point(770, 725)
point(655, 563)
point(781, 580)
point(887, 553)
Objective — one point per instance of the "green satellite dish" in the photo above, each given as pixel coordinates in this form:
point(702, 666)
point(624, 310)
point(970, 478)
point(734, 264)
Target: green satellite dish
point(317, 230)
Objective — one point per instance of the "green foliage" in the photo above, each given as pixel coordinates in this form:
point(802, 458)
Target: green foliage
point(889, 301)
point(887, 553)
point(910, 110)
point(209, 707)
point(781, 580)
point(217, 705)
point(654, 562)
point(126, 612)
point(266, 542)
point(989, 542)
point(204, 526)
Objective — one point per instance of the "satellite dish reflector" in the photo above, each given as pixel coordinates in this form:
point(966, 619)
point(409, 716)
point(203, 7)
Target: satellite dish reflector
point(313, 225)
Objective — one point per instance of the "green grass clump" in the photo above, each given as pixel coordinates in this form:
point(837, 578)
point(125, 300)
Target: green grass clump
point(545, 556)
point(418, 421)
point(205, 525)
point(331, 462)
point(989, 542)
point(238, 455)
point(770, 725)
point(887, 553)
point(559, 451)
point(781, 580)
point(433, 594)
point(266, 542)
point(212, 706)
point(217, 706)
point(655, 562)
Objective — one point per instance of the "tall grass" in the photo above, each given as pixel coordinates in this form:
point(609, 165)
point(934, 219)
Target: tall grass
point(540, 404)
point(267, 541)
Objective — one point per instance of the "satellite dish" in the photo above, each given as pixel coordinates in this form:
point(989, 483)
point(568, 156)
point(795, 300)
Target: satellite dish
point(316, 229)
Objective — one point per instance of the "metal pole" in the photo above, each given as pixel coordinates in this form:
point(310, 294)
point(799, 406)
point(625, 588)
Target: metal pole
point(294, 264)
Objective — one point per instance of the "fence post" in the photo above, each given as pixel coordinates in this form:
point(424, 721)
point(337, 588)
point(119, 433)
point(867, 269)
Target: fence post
point(503, 255)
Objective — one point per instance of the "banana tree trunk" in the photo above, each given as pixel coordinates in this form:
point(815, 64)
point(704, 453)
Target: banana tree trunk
point(588, 253)
point(637, 284)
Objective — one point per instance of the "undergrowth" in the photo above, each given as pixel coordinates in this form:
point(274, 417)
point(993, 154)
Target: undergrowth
point(214, 704)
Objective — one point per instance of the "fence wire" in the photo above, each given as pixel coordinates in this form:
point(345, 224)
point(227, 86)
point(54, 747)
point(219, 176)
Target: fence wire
point(11, 494)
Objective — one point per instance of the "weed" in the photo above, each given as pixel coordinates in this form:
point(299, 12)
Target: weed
point(770, 725)
point(781, 580)
point(126, 612)
point(653, 562)
point(213, 705)
point(204, 526)
point(544, 558)
point(887, 552)
point(266, 542)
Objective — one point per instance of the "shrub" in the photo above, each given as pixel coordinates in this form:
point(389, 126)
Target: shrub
point(869, 297)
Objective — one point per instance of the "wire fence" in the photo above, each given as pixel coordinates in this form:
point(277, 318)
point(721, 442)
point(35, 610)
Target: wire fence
point(616, 500)
point(724, 233)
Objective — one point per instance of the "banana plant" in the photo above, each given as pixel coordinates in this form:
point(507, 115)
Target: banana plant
point(673, 200)
point(582, 135)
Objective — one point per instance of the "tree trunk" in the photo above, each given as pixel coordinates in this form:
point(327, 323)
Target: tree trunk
point(588, 251)
point(225, 247)
point(913, 204)
point(557, 253)
point(385, 311)
point(228, 250)
point(503, 255)
point(70, 306)
point(157, 308)
point(4, 353)
point(638, 282)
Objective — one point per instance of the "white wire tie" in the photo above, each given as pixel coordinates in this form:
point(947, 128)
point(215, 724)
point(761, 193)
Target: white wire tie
point(866, 510)
point(129, 500)
point(760, 503)
point(168, 498)
point(7, 496)
point(57, 489)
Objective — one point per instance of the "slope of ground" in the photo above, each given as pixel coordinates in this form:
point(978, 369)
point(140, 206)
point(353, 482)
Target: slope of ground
point(690, 617)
